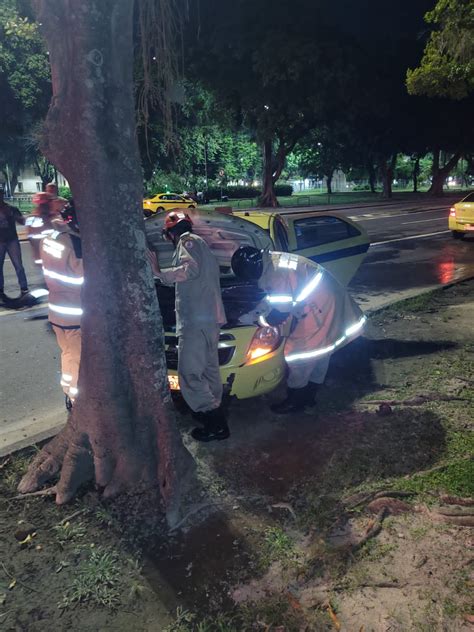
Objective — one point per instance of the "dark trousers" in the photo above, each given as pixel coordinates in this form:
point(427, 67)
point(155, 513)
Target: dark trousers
point(14, 252)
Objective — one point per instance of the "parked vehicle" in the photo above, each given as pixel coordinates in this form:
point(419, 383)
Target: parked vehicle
point(166, 202)
point(461, 217)
point(250, 355)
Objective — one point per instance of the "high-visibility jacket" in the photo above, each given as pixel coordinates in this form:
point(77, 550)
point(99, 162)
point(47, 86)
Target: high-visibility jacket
point(326, 317)
point(64, 276)
point(38, 225)
point(195, 272)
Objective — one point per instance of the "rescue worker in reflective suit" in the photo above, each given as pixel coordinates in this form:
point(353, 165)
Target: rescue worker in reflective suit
point(324, 317)
point(41, 222)
point(199, 315)
point(61, 254)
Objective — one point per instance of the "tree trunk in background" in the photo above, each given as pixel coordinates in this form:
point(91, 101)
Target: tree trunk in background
point(122, 431)
point(329, 183)
point(439, 174)
point(415, 174)
point(387, 175)
point(372, 177)
point(268, 197)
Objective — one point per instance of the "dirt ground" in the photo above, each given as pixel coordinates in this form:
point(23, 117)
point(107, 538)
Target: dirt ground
point(354, 516)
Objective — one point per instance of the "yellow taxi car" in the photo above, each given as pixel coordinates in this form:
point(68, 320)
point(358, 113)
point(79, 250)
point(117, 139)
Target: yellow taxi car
point(461, 217)
point(166, 202)
point(251, 355)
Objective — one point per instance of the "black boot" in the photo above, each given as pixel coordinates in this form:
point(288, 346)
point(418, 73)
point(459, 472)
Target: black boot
point(215, 427)
point(296, 400)
point(68, 403)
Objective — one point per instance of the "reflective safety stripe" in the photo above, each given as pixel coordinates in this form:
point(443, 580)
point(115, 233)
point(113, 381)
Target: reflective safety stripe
point(37, 236)
point(66, 377)
point(310, 354)
point(38, 260)
point(62, 309)
point(288, 261)
point(325, 350)
point(52, 247)
point(309, 287)
point(262, 321)
point(39, 292)
point(34, 222)
point(63, 277)
point(305, 292)
point(279, 298)
point(64, 383)
point(353, 328)
point(73, 391)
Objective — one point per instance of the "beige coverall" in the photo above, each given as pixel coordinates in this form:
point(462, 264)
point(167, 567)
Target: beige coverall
point(199, 315)
point(64, 276)
point(326, 317)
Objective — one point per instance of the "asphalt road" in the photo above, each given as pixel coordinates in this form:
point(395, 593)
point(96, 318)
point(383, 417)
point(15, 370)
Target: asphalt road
point(411, 250)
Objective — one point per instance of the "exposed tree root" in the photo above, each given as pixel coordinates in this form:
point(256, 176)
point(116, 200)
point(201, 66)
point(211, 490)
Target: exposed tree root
point(418, 400)
point(374, 529)
point(115, 461)
point(454, 500)
point(362, 498)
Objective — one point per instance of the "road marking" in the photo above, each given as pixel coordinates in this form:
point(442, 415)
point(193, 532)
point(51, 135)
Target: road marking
point(364, 218)
point(391, 241)
point(420, 221)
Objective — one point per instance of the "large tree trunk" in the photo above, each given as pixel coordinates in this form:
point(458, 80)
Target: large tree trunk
point(388, 168)
point(372, 177)
point(329, 182)
point(439, 174)
point(268, 197)
point(415, 174)
point(122, 430)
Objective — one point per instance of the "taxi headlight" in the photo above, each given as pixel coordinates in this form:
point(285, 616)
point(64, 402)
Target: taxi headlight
point(264, 341)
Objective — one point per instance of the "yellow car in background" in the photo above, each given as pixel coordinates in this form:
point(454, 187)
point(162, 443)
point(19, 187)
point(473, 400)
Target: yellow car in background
point(251, 356)
point(166, 202)
point(461, 217)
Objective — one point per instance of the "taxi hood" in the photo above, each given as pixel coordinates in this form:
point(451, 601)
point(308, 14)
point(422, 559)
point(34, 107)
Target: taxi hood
point(223, 233)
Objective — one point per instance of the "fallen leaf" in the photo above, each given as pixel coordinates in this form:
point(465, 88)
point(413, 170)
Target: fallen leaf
point(294, 603)
point(12, 584)
point(334, 618)
point(3, 598)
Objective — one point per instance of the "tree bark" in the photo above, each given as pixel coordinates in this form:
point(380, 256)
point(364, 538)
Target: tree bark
point(268, 197)
point(329, 182)
point(122, 431)
point(439, 174)
point(415, 174)
point(372, 177)
point(387, 175)
point(272, 168)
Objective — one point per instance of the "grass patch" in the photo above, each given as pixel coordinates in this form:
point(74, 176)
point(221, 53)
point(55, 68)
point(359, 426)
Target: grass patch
point(456, 479)
point(278, 546)
point(69, 532)
point(96, 582)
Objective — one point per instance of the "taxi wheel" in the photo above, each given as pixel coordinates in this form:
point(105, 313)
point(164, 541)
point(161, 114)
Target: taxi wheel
point(147, 213)
point(191, 206)
point(160, 208)
point(457, 234)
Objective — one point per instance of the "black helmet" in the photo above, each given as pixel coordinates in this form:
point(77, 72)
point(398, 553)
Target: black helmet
point(247, 263)
point(69, 215)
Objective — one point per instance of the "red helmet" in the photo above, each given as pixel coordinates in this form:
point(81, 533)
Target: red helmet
point(174, 218)
point(41, 198)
